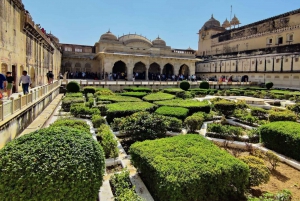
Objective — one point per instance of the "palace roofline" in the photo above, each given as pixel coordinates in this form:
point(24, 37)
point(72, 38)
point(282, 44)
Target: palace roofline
point(258, 22)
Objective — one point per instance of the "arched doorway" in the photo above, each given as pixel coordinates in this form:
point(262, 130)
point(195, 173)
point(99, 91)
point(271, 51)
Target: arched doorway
point(153, 71)
point(168, 71)
point(87, 67)
point(119, 70)
point(68, 67)
point(184, 70)
point(139, 71)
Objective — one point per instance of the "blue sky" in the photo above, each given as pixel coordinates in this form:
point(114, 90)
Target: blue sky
point(177, 22)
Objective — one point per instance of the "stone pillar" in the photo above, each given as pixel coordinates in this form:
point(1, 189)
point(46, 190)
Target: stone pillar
point(147, 70)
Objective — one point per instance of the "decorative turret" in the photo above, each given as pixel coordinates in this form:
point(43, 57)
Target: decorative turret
point(235, 21)
point(158, 42)
point(226, 24)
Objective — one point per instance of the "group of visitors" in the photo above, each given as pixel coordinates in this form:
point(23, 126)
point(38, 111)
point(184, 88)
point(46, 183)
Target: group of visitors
point(83, 75)
point(8, 81)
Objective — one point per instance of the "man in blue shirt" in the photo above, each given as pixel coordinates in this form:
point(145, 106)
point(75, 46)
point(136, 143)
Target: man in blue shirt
point(2, 85)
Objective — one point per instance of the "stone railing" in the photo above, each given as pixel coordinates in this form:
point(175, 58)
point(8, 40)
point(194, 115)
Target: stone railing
point(146, 83)
point(14, 105)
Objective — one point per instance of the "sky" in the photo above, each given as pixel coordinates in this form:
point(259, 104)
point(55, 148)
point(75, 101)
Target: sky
point(175, 21)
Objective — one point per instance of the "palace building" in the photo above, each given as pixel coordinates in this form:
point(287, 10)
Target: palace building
point(25, 45)
point(267, 50)
point(128, 54)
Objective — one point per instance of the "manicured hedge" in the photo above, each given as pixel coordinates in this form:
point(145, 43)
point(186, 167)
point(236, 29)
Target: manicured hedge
point(158, 96)
point(137, 89)
point(80, 110)
point(116, 98)
point(178, 112)
point(68, 101)
point(103, 91)
point(282, 137)
point(73, 123)
point(286, 115)
point(126, 108)
point(134, 94)
point(192, 105)
point(97, 120)
point(122, 187)
point(89, 90)
point(184, 85)
point(107, 140)
point(173, 90)
point(56, 163)
point(79, 94)
point(173, 124)
point(73, 87)
point(226, 107)
point(189, 167)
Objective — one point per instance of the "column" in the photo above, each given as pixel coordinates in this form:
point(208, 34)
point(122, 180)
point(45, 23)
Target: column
point(147, 70)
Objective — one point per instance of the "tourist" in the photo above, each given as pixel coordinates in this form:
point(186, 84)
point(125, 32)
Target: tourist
point(133, 77)
point(10, 82)
point(25, 79)
point(3, 83)
point(50, 77)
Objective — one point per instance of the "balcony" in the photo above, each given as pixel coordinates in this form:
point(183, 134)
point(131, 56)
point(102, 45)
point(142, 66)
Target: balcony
point(37, 32)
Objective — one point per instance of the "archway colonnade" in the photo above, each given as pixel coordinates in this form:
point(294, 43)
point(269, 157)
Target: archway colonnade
point(146, 68)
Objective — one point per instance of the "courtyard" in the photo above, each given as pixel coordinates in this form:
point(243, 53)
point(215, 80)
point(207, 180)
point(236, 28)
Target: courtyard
point(147, 136)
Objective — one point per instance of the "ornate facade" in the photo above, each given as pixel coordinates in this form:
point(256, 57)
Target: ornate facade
point(24, 46)
point(128, 54)
point(267, 50)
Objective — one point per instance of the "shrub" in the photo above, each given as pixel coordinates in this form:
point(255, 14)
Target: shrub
point(87, 90)
point(79, 94)
point(173, 124)
point(73, 87)
point(189, 162)
point(184, 85)
point(269, 85)
point(68, 101)
point(184, 94)
point(137, 89)
point(122, 187)
point(295, 108)
point(284, 195)
point(172, 90)
point(282, 137)
point(116, 98)
point(177, 112)
point(134, 94)
point(144, 126)
point(226, 130)
point(282, 116)
point(97, 120)
point(43, 165)
point(272, 158)
point(249, 93)
point(158, 96)
point(259, 172)
point(226, 107)
point(104, 92)
point(90, 103)
point(79, 110)
point(127, 108)
point(259, 112)
point(241, 104)
point(102, 108)
point(206, 116)
point(192, 105)
point(193, 123)
point(204, 85)
point(72, 123)
point(107, 141)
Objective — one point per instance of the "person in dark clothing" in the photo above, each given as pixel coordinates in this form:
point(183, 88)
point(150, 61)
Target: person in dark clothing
point(10, 82)
point(50, 77)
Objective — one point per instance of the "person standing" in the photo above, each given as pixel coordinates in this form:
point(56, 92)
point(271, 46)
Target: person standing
point(10, 83)
point(25, 79)
point(3, 84)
